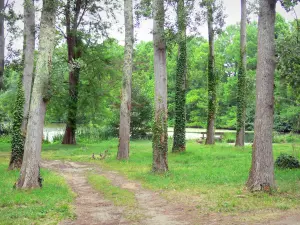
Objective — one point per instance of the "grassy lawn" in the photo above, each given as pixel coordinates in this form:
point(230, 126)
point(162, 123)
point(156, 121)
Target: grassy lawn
point(42, 206)
point(210, 178)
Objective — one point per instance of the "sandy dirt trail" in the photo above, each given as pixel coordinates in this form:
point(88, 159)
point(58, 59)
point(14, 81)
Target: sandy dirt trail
point(92, 208)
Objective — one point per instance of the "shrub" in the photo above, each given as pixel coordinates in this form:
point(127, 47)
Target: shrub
point(285, 161)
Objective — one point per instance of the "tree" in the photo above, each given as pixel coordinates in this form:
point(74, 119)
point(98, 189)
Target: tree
point(160, 126)
point(30, 170)
point(212, 95)
point(125, 109)
point(24, 90)
point(82, 19)
point(74, 53)
point(2, 43)
point(242, 71)
point(261, 177)
point(180, 96)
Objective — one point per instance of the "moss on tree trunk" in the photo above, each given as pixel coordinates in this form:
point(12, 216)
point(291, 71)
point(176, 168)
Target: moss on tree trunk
point(30, 170)
point(180, 95)
point(212, 81)
point(160, 134)
point(241, 94)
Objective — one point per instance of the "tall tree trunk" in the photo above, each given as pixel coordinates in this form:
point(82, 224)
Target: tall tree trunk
point(74, 52)
point(212, 96)
point(125, 110)
point(261, 177)
point(160, 126)
point(2, 44)
point(30, 171)
point(180, 95)
point(241, 95)
point(24, 92)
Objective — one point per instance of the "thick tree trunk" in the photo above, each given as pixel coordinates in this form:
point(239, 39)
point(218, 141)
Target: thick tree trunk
point(74, 52)
point(160, 134)
point(261, 177)
point(30, 171)
point(241, 95)
point(180, 95)
point(125, 110)
point(29, 44)
point(2, 44)
point(212, 97)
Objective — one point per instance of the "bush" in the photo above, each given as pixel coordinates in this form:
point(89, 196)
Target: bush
point(5, 139)
point(285, 138)
point(285, 161)
point(229, 137)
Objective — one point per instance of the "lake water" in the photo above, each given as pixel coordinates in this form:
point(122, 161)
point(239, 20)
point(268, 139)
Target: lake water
point(50, 131)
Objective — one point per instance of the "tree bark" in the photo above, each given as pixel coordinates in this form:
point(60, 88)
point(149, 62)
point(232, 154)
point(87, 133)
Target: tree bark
point(261, 177)
point(74, 52)
point(2, 44)
point(125, 110)
point(29, 44)
point(30, 171)
point(160, 134)
point(29, 36)
point(180, 95)
point(212, 97)
point(71, 126)
point(241, 95)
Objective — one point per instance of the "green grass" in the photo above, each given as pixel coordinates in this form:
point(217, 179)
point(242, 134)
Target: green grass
point(119, 196)
point(48, 205)
point(212, 176)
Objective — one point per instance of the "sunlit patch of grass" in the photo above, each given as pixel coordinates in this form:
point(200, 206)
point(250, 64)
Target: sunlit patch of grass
point(48, 205)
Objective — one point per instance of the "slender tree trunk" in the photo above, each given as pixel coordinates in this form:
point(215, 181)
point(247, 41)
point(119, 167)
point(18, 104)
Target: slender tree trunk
point(30, 171)
point(2, 44)
point(160, 134)
point(241, 95)
point(25, 91)
point(29, 35)
point(212, 97)
point(180, 95)
point(125, 110)
point(74, 52)
point(261, 177)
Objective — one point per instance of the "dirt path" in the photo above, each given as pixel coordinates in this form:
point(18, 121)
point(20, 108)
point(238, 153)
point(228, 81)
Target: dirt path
point(92, 208)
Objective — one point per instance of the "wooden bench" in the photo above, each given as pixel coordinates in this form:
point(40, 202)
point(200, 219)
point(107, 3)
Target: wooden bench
point(219, 134)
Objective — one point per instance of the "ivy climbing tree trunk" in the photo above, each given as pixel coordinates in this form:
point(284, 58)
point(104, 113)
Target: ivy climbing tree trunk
point(24, 88)
point(125, 110)
point(74, 53)
point(30, 170)
point(212, 96)
point(2, 44)
point(241, 95)
point(160, 126)
point(261, 177)
point(180, 95)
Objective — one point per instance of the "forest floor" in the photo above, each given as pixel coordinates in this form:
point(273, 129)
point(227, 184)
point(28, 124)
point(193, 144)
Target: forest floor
point(205, 185)
point(95, 207)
